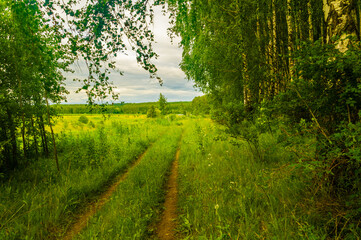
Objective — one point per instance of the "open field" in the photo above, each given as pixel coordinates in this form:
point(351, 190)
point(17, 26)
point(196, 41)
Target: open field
point(70, 122)
point(104, 190)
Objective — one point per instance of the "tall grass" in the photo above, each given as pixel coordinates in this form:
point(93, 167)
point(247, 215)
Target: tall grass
point(228, 192)
point(38, 202)
point(246, 188)
point(138, 200)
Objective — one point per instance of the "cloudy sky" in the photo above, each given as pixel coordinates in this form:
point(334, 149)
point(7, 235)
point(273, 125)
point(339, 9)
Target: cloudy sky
point(135, 85)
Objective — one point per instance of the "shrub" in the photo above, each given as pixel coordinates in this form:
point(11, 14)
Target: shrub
point(152, 112)
point(83, 119)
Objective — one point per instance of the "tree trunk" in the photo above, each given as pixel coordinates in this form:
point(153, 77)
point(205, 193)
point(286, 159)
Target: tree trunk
point(35, 138)
point(5, 155)
point(44, 140)
point(22, 110)
point(341, 21)
point(52, 133)
point(14, 154)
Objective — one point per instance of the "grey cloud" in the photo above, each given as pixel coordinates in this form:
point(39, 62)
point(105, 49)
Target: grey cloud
point(135, 85)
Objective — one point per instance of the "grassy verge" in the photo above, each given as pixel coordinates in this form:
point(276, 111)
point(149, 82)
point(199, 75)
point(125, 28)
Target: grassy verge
point(37, 199)
point(227, 192)
point(138, 199)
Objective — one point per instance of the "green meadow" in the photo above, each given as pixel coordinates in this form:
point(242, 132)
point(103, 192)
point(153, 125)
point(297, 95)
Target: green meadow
point(228, 188)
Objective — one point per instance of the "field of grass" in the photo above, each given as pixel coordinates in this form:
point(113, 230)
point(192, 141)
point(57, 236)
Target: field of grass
point(71, 123)
point(227, 189)
point(137, 202)
point(36, 201)
point(226, 192)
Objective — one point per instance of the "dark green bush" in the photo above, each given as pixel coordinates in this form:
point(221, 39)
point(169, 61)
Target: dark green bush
point(83, 119)
point(152, 113)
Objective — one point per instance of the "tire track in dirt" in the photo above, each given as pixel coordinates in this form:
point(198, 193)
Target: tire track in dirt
point(92, 208)
point(166, 226)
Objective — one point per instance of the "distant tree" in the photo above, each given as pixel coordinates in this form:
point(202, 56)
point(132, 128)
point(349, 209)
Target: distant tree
point(163, 104)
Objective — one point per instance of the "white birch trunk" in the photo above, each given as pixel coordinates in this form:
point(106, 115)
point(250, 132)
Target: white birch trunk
point(340, 17)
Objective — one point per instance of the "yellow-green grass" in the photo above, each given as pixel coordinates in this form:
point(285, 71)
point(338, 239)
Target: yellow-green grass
point(70, 122)
point(139, 198)
point(37, 202)
point(227, 188)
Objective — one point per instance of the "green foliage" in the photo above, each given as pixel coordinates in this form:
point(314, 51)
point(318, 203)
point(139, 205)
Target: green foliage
point(31, 65)
point(123, 108)
point(201, 105)
point(244, 54)
point(83, 119)
point(227, 193)
point(37, 45)
point(326, 85)
point(237, 51)
point(91, 124)
point(227, 188)
point(152, 112)
point(100, 36)
point(230, 114)
point(323, 102)
point(39, 203)
point(138, 198)
point(163, 104)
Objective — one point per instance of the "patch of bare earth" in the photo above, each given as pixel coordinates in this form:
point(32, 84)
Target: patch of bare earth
point(166, 227)
point(82, 220)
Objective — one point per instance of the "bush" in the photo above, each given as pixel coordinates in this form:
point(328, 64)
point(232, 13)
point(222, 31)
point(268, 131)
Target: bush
point(325, 97)
point(83, 119)
point(152, 113)
point(91, 124)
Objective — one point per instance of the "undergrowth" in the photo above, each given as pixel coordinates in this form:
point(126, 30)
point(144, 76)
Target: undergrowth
point(244, 187)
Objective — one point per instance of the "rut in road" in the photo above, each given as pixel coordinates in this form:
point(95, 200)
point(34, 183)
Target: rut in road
point(166, 227)
point(83, 219)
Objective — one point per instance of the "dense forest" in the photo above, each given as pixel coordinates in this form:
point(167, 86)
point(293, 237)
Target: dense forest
point(284, 63)
point(289, 68)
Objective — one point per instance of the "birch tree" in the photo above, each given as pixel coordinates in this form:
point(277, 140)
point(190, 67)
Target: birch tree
point(341, 21)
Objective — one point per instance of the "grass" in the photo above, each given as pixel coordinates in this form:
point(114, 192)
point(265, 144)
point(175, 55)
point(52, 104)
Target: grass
point(36, 200)
point(138, 200)
point(70, 122)
point(226, 193)
point(228, 189)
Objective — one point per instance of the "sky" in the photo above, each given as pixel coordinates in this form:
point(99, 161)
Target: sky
point(135, 85)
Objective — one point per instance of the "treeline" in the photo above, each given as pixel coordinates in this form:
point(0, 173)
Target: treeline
point(126, 108)
point(198, 106)
point(285, 64)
